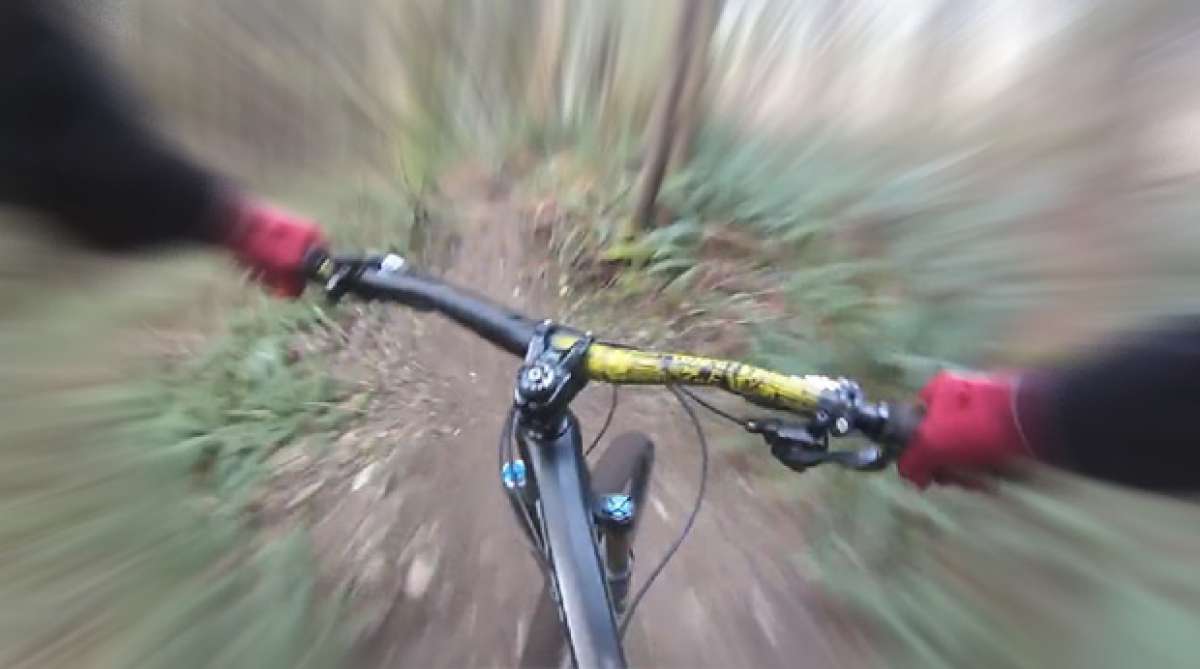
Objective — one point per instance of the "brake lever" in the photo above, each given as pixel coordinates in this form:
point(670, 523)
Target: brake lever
point(801, 446)
point(337, 273)
point(334, 271)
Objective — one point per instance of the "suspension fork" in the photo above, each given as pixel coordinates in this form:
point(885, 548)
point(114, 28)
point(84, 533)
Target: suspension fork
point(617, 514)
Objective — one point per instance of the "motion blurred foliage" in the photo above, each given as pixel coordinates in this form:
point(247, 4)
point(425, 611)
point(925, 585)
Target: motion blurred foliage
point(885, 189)
point(135, 449)
point(125, 501)
point(862, 186)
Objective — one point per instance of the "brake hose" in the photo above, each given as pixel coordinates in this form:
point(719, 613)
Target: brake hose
point(691, 519)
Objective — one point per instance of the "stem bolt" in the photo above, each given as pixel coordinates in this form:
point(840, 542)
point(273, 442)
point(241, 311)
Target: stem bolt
point(617, 509)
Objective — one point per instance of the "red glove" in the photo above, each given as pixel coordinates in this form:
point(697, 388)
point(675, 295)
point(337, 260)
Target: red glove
point(272, 244)
point(970, 426)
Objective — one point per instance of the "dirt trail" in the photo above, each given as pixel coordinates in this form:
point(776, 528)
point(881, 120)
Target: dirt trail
point(409, 517)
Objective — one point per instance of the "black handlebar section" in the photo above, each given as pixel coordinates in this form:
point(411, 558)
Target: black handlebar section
point(901, 425)
point(506, 329)
point(890, 425)
point(502, 327)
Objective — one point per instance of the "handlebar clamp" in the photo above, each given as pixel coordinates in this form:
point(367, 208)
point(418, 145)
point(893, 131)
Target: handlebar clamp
point(550, 378)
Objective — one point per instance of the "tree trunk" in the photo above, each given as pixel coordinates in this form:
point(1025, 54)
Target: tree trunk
point(691, 102)
point(662, 123)
point(544, 95)
point(605, 71)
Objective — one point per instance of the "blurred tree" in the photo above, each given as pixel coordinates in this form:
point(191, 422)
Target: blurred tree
point(938, 61)
point(663, 125)
point(692, 106)
point(543, 96)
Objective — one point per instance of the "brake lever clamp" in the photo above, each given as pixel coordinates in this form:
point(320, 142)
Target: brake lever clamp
point(335, 271)
point(837, 414)
point(336, 285)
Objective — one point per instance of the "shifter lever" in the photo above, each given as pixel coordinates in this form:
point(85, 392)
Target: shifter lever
point(800, 446)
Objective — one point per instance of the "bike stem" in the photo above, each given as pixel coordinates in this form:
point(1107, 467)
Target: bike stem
point(548, 380)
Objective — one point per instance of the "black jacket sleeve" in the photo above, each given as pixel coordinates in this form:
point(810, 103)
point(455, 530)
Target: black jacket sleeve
point(73, 147)
point(1128, 412)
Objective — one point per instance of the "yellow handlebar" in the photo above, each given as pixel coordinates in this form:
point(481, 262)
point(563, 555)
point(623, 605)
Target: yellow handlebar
point(631, 366)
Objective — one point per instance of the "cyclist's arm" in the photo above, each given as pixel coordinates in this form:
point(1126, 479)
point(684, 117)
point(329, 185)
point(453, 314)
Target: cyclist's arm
point(1124, 413)
point(72, 145)
point(1128, 413)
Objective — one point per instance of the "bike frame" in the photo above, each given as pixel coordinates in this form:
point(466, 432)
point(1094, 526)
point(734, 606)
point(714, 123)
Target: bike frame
point(561, 504)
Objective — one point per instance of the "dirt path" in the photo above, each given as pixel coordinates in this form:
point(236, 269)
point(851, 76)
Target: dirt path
point(409, 518)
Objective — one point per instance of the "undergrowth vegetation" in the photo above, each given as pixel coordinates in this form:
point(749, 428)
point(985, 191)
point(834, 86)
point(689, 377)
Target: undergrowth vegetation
point(250, 393)
point(873, 262)
point(214, 421)
point(128, 524)
point(147, 524)
point(217, 418)
point(829, 264)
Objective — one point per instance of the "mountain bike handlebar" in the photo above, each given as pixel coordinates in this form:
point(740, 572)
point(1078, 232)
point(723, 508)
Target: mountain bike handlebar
point(389, 278)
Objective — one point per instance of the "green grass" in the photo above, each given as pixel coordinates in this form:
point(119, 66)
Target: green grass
point(249, 394)
point(215, 421)
point(125, 523)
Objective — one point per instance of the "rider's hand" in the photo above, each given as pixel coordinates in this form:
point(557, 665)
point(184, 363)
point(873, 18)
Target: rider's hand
point(272, 244)
point(970, 426)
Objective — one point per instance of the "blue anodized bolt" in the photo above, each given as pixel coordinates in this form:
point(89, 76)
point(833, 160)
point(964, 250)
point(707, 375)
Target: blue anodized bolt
point(617, 508)
point(513, 474)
